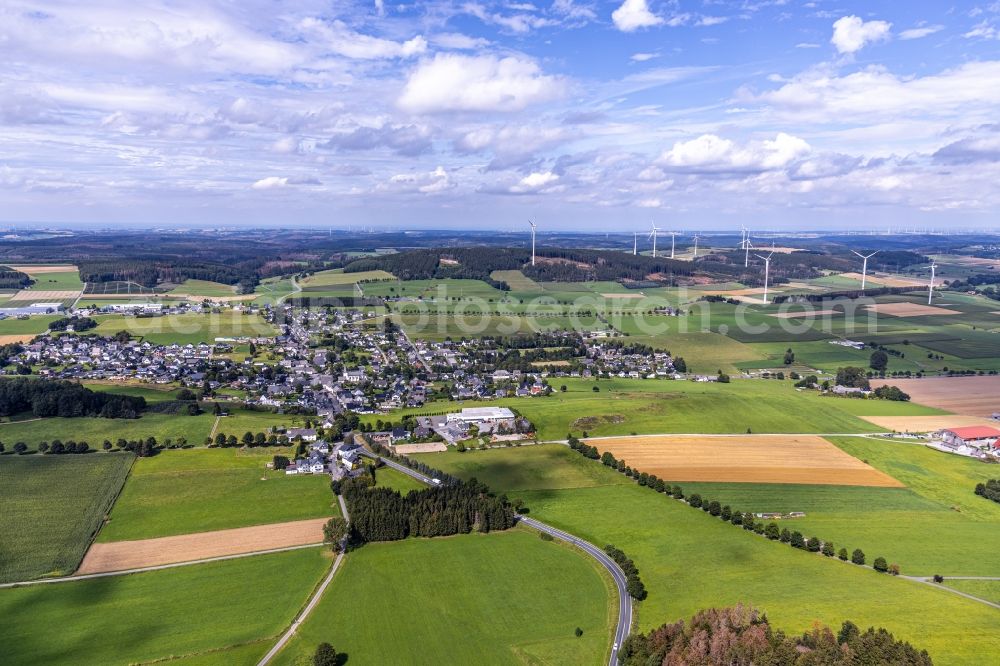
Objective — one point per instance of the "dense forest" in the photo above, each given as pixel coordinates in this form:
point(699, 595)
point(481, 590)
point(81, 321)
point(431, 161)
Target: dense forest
point(383, 514)
point(742, 635)
point(11, 279)
point(66, 399)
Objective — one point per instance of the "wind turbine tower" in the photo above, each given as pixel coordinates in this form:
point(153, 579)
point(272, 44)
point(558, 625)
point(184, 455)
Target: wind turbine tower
point(673, 237)
point(696, 237)
point(745, 245)
point(930, 286)
point(864, 267)
point(652, 234)
point(635, 243)
point(533, 225)
point(767, 271)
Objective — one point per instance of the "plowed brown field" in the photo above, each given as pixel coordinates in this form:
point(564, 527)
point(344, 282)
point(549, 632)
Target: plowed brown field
point(973, 396)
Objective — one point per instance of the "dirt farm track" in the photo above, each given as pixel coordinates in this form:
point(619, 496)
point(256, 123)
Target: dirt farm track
point(806, 459)
point(123, 555)
point(972, 396)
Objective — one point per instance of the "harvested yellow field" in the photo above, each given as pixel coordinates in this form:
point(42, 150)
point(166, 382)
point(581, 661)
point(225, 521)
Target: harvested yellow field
point(52, 268)
point(887, 280)
point(11, 339)
point(124, 555)
point(909, 309)
point(972, 396)
point(804, 313)
point(425, 447)
point(806, 459)
point(917, 424)
point(38, 296)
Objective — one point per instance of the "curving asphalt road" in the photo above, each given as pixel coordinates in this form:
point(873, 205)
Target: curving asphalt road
point(624, 600)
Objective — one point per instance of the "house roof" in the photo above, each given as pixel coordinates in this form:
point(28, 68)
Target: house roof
point(974, 432)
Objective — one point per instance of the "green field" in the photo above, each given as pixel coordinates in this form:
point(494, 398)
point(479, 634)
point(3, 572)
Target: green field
point(338, 277)
point(185, 328)
point(650, 406)
point(198, 490)
point(57, 281)
point(203, 288)
point(518, 281)
point(689, 561)
point(501, 598)
point(94, 430)
point(387, 477)
point(52, 507)
point(984, 589)
point(33, 325)
point(140, 618)
point(623, 406)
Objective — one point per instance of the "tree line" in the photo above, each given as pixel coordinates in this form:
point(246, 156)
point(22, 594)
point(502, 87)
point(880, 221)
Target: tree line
point(65, 399)
point(743, 635)
point(11, 279)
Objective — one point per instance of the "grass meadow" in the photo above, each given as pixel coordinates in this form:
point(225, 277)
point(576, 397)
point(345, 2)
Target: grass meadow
point(690, 560)
point(191, 611)
point(984, 589)
point(186, 328)
point(198, 490)
point(53, 505)
point(626, 406)
point(57, 281)
point(204, 288)
point(387, 477)
point(32, 326)
point(94, 430)
point(499, 598)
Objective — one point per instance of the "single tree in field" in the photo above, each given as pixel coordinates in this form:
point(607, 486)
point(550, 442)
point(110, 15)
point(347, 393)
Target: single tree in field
point(798, 541)
point(858, 556)
point(813, 545)
point(772, 532)
point(326, 656)
point(842, 554)
point(789, 356)
point(785, 536)
point(828, 548)
point(879, 361)
point(334, 532)
point(880, 565)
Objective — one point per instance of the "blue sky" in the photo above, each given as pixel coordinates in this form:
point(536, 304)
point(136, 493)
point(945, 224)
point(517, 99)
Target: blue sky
point(699, 115)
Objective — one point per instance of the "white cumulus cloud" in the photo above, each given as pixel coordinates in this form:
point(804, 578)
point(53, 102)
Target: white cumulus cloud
point(851, 33)
point(634, 14)
point(712, 153)
point(270, 183)
point(453, 82)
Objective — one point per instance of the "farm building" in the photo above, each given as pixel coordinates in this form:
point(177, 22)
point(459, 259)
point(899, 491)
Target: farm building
point(481, 414)
point(971, 436)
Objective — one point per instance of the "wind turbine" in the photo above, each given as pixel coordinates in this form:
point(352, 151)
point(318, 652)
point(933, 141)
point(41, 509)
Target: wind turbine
point(533, 225)
point(696, 237)
point(767, 271)
point(864, 267)
point(930, 287)
point(745, 245)
point(673, 236)
point(635, 243)
point(652, 234)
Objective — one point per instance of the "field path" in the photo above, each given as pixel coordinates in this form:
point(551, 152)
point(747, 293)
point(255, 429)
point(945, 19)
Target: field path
point(215, 426)
point(287, 636)
point(125, 555)
point(930, 581)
